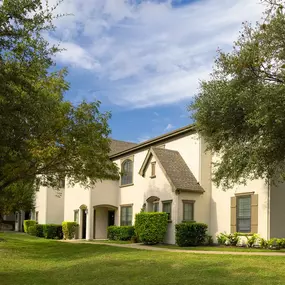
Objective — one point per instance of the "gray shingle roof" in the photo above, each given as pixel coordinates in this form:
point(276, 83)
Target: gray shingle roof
point(118, 146)
point(177, 170)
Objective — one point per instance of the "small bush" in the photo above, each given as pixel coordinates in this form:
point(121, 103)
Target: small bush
point(222, 238)
point(52, 231)
point(27, 224)
point(233, 239)
point(121, 233)
point(69, 229)
point(251, 240)
point(263, 243)
point(190, 234)
point(274, 243)
point(209, 240)
point(32, 230)
point(39, 230)
point(151, 227)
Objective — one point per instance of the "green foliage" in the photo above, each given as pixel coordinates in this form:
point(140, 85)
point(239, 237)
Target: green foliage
point(222, 238)
point(27, 224)
point(190, 234)
point(121, 233)
point(252, 240)
point(69, 229)
point(233, 239)
point(52, 231)
point(18, 196)
point(42, 135)
point(263, 243)
point(32, 230)
point(209, 240)
point(39, 230)
point(240, 111)
point(151, 228)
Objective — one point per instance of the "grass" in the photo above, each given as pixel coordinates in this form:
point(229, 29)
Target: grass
point(112, 241)
point(26, 260)
point(221, 248)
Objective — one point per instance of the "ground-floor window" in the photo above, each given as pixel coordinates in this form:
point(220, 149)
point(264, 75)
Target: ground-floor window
point(37, 216)
point(126, 215)
point(244, 214)
point(188, 210)
point(166, 207)
point(156, 206)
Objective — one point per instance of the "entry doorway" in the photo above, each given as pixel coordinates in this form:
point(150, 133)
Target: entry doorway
point(84, 216)
point(111, 218)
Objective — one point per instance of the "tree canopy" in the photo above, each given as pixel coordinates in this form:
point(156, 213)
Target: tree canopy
point(42, 134)
point(240, 110)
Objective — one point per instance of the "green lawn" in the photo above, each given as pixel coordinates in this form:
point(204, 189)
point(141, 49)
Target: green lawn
point(222, 248)
point(32, 261)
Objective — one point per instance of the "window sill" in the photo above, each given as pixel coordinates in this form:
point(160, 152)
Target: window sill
point(152, 176)
point(126, 185)
point(188, 221)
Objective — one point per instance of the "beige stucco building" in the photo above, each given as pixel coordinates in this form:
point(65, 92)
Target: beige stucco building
point(170, 173)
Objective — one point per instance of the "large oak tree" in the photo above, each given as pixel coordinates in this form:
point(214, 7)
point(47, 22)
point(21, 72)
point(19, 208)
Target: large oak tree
point(41, 134)
point(240, 111)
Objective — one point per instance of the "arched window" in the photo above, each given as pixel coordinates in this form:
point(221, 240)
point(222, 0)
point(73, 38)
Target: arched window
point(127, 172)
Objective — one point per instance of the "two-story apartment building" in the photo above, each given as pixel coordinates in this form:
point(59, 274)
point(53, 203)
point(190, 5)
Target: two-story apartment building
point(170, 173)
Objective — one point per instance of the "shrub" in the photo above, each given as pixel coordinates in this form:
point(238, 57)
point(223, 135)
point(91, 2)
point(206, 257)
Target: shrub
point(69, 229)
point(190, 234)
point(52, 231)
point(222, 238)
point(27, 224)
point(263, 243)
point(39, 230)
point(151, 227)
point(251, 240)
point(32, 230)
point(233, 239)
point(209, 240)
point(121, 233)
point(274, 243)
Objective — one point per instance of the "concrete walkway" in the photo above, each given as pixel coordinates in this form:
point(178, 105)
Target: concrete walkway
point(155, 248)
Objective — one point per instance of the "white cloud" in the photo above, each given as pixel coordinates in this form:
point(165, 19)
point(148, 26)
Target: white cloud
point(152, 53)
point(169, 127)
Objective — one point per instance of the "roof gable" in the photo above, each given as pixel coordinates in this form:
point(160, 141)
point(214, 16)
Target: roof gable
point(175, 169)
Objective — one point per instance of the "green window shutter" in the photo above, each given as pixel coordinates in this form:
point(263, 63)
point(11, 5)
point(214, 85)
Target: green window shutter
point(233, 214)
point(254, 213)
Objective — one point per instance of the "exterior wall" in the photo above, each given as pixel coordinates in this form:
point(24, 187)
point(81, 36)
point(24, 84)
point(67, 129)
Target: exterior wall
point(101, 223)
point(189, 148)
point(55, 206)
point(9, 218)
point(41, 205)
point(221, 205)
point(277, 212)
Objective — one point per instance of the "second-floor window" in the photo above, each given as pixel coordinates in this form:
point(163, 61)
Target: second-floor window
point(127, 172)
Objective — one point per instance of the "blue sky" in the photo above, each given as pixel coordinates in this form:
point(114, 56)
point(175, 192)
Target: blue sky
point(144, 59)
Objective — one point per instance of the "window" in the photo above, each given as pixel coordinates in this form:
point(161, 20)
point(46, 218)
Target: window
point(37, 216)
point(76, 216)
point(126, 215)
point(244, 214)
point(166, 207)
point(127, 172)
point(156, 206)
point(188, 210)
point(152, 169)
point(62, 183)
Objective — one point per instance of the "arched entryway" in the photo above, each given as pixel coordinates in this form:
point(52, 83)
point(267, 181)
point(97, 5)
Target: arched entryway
point(103, 216)
point(152, 204)
point(83, 221)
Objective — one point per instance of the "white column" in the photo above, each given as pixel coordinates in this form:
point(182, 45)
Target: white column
point(89, 218)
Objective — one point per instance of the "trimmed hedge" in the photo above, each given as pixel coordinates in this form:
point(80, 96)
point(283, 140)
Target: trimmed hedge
point(27, 224)
point(39, 230)
point(69, 229)
point(190, 234)
point(151, 227)
point(32, 230)
point(121, 233)
point(52, 231)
